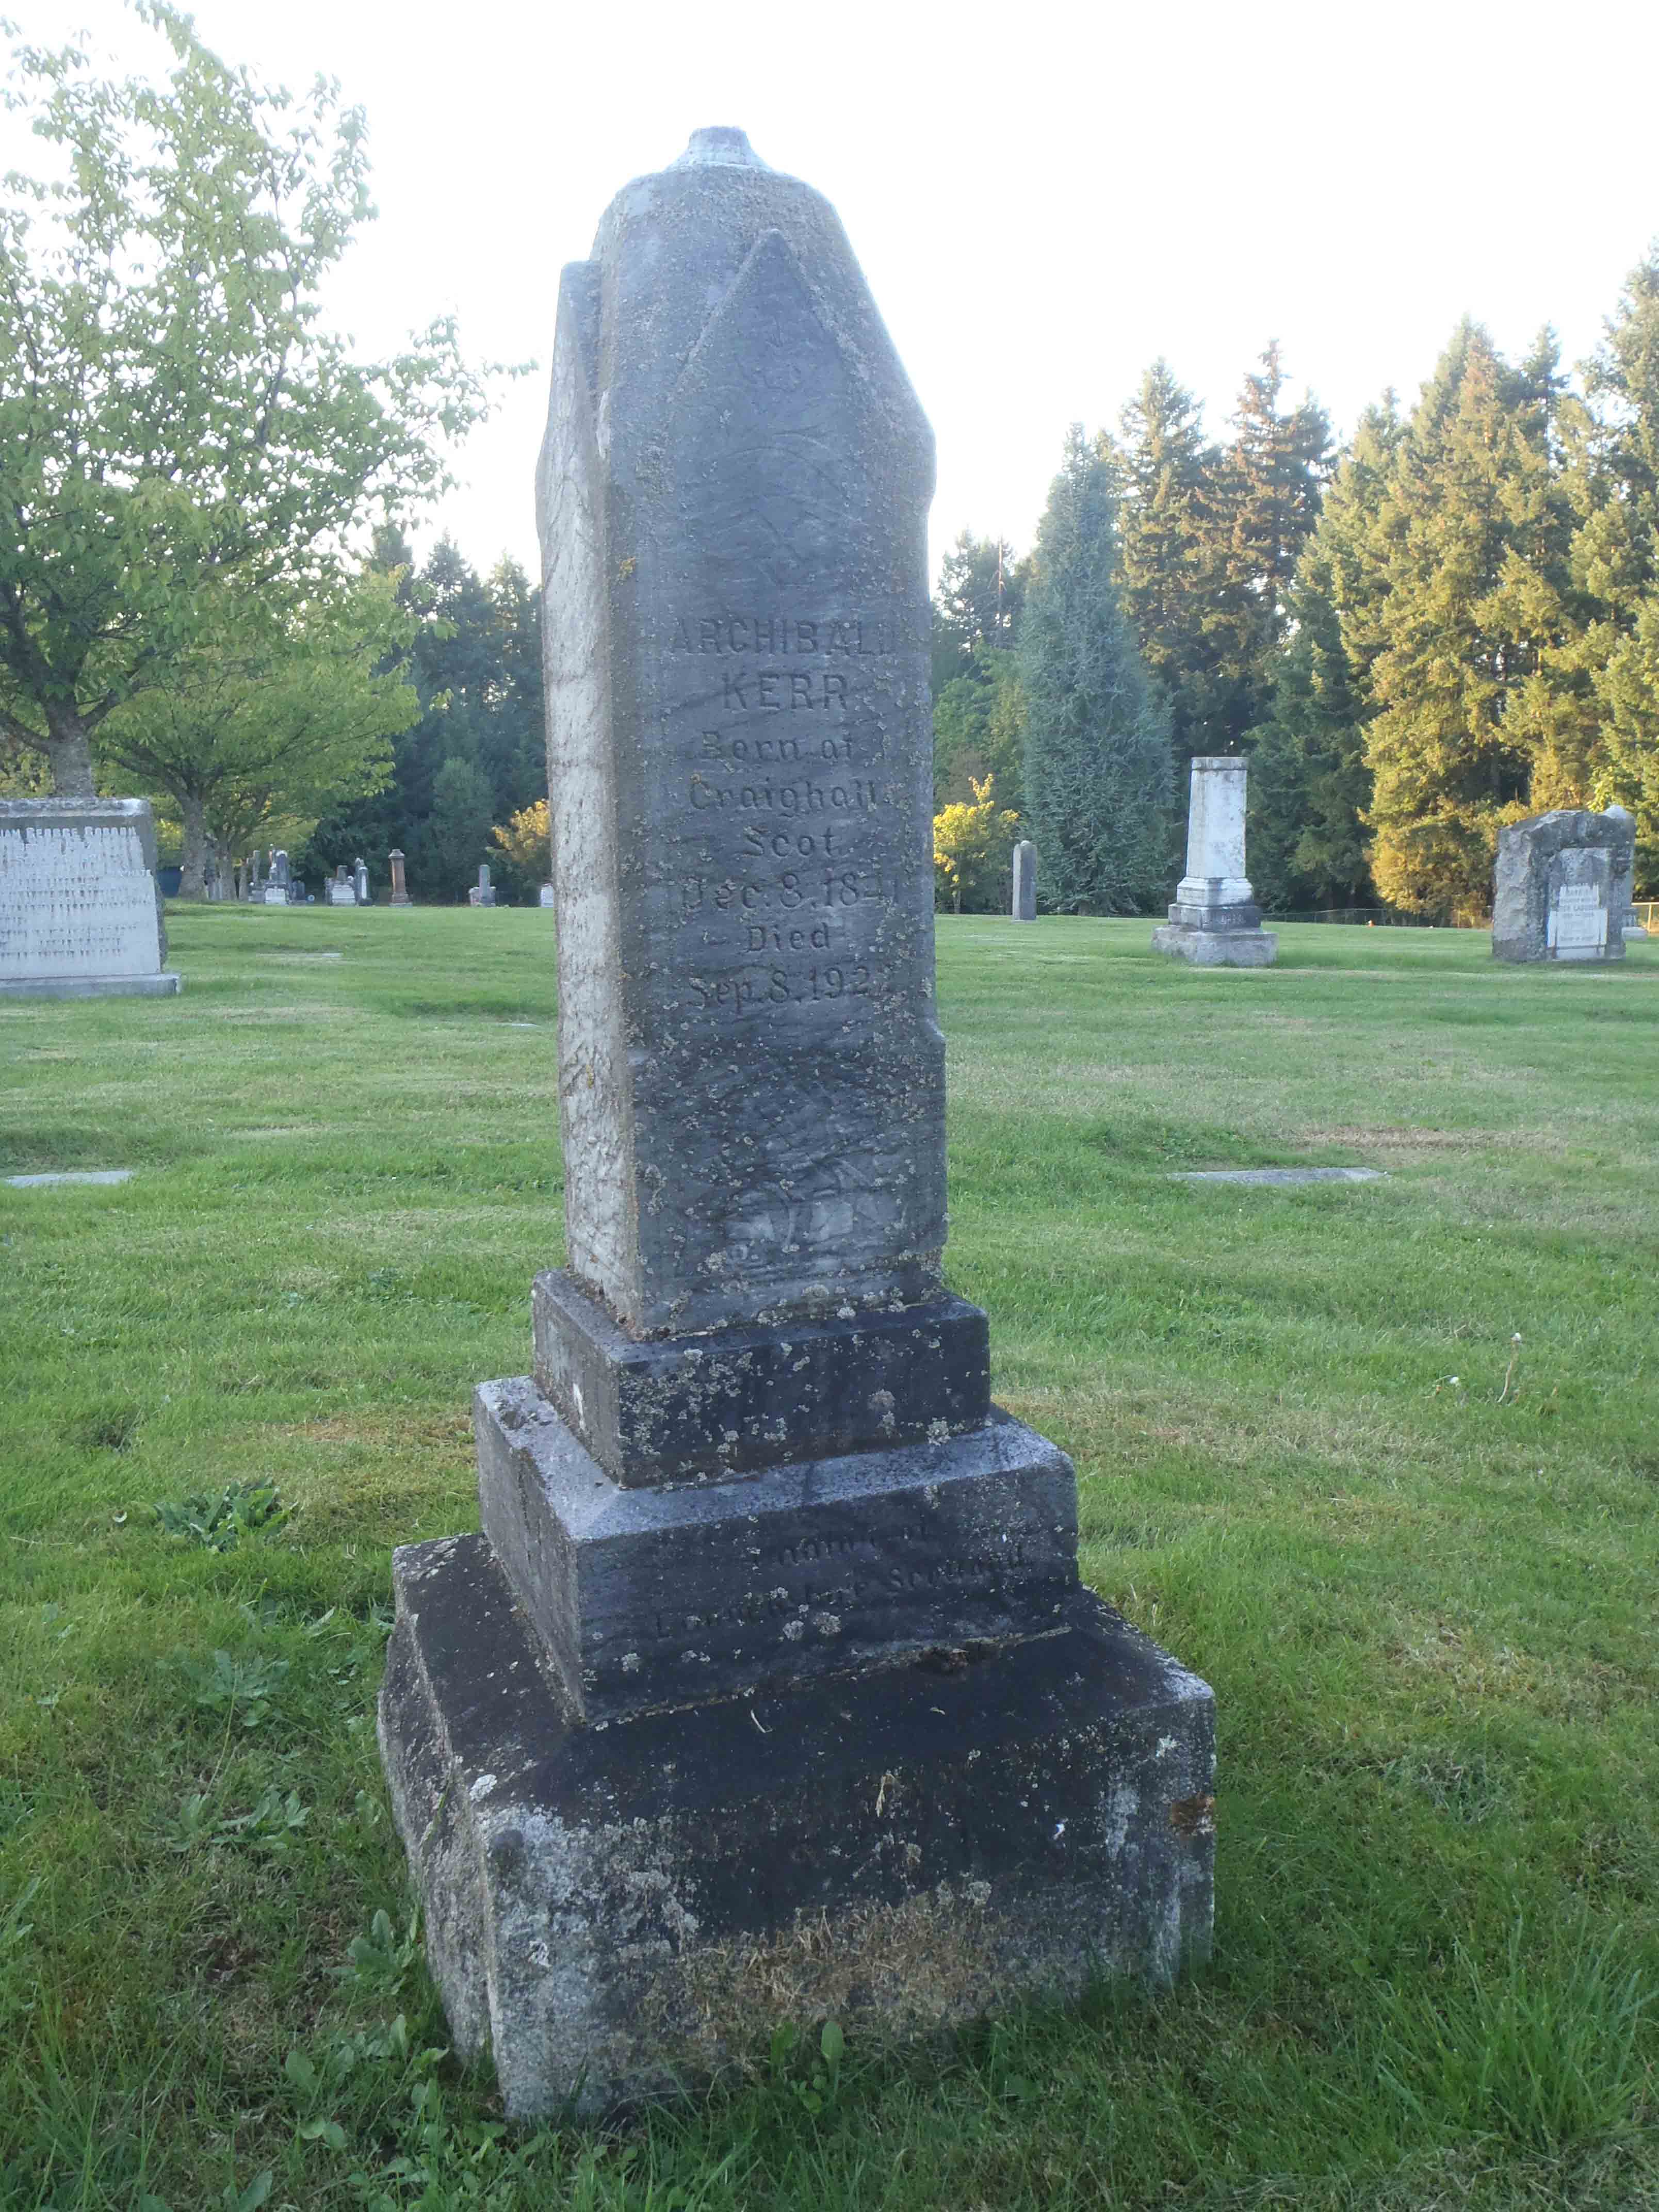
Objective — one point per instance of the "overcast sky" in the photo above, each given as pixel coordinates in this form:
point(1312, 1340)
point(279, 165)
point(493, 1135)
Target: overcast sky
point(1044, 197)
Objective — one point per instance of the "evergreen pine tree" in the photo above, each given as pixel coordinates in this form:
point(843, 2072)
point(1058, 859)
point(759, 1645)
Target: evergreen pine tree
point(1175, 570)
point(1609, 667)
point(1097, 784)
point(1473, 529)
point(1310, 784)
point(1271, 484)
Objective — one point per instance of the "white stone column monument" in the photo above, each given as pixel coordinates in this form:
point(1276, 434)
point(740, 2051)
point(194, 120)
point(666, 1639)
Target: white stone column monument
point(1214, 921)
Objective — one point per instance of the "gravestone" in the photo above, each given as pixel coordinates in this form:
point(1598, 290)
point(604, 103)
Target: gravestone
point(277, 887)
point(485, 895)
point(768, 1687)
point(1024, 897)
point(399, 889)
point(80, 906)
point(545, 896)
point(360, 880)
point(341, 891)
point(1561, 886)
point(1214, 921)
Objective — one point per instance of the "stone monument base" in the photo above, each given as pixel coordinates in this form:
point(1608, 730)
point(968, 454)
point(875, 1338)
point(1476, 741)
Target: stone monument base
point(614, 1910)
point(91, 987)
point(1217, 948)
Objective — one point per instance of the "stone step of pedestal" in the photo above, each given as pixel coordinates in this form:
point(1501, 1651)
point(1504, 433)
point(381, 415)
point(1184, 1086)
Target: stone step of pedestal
point(614, 1911)
point(651, 1598)
point(679, 1409)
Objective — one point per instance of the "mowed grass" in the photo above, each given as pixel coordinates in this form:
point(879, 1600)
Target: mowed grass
point(1417, 1560)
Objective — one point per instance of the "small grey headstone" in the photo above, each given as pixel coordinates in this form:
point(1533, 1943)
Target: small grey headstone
point(360, 877)
point(486, 895)
point(1025, 898)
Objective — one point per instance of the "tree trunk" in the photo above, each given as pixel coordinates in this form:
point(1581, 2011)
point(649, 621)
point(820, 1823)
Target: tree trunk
point(192, 880)
point(68, 749)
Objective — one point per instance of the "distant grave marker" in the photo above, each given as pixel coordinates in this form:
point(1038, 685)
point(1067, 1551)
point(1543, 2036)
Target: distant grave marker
point(1561, 886)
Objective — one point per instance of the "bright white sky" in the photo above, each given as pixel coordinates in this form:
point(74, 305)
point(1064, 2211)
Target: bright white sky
point(1043, 197)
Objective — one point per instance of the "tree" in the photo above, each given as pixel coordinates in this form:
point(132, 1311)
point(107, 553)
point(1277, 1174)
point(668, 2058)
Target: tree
point(1273, 479)
point(1473, 532)
point(1607, 750)
point(477, 663)
point(976, 608)
point(172, 414)
point(979, 728)
point(266, 716)
point(1097, 773)
point(1310, 784)
point(1176, 573)
point(971, 846)
point(527, 847)
point(458, 837)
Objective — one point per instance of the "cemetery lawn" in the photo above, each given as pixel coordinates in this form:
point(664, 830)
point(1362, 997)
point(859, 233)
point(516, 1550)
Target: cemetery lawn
point(1417, 1558)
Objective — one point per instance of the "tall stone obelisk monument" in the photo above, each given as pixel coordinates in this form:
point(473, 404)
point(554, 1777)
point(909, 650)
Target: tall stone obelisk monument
point(774, 1624)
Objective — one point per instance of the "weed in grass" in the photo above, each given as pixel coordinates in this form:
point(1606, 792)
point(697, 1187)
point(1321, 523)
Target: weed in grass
point(242, 1687)
point(218, 1520)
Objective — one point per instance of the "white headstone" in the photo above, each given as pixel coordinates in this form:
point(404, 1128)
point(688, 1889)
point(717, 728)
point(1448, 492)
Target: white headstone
point(80, 912)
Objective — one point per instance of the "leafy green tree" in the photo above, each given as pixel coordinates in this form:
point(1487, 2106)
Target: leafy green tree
point(976, 608)
point(1097, 780)
point(1473, 530)
point(476, 664)
point(265, 717)
point(979, 729)
point(972, 842)
point(172, 413)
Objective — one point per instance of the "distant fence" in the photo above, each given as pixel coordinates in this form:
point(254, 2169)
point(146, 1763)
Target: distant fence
point(1647, 913)
point(1385, 917)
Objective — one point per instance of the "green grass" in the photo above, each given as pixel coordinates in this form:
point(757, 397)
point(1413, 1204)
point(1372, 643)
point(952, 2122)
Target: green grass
point(1426, 1602)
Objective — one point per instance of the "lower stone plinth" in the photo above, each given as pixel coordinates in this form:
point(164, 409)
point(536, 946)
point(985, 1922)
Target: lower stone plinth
point(1217, 948)
point(92, 986)
point(613, 1911)
point(643, 1598)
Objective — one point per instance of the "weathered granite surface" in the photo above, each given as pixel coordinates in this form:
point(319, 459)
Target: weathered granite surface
point(734, 497)
point(679, 1409)
point(80, 912)
point(660, 1597)
point(614, 1911)
point(1561, 886)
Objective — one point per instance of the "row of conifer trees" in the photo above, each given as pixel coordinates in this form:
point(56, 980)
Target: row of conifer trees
point(1451, 623)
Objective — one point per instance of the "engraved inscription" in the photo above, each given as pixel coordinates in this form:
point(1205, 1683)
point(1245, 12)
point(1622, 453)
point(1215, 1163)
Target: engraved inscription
point(1580, 919)
point(76, 900)
point(797, 817)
